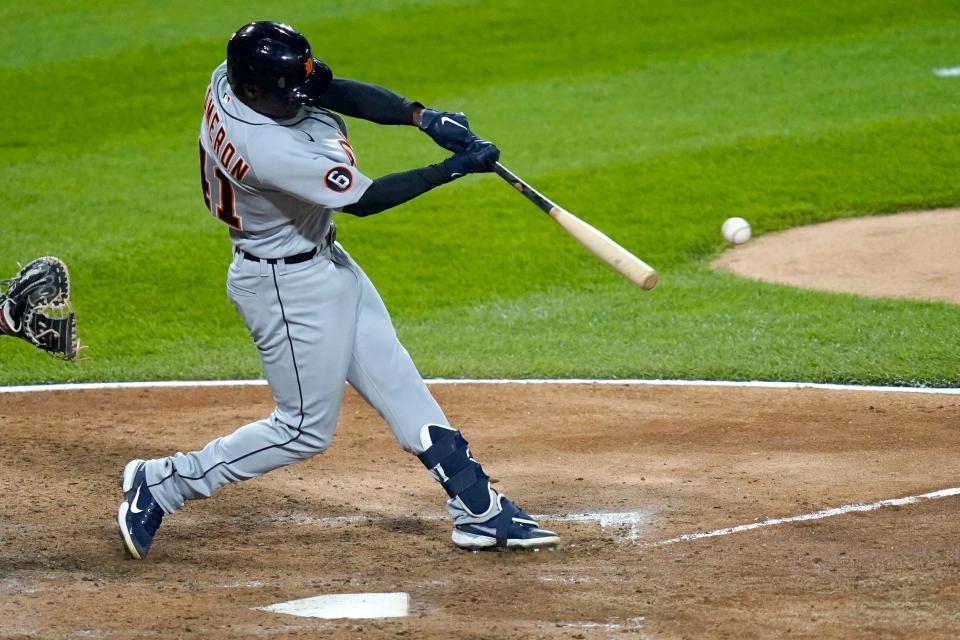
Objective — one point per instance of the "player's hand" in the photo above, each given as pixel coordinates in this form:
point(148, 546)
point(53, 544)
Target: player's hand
point(449, 130)
point(478, 157)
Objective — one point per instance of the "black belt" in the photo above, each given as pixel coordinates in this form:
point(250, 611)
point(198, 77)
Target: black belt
point(298, 258)
point(294, 259)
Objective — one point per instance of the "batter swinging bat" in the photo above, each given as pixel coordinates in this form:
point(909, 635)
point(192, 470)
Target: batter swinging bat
point(620, 260)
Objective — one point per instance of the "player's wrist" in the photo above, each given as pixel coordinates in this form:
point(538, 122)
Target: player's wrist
point(456, 166)
point(478, 157)
point(416, 114)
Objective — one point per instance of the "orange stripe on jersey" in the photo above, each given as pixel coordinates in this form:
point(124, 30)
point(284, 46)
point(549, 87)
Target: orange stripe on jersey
point(347, 149)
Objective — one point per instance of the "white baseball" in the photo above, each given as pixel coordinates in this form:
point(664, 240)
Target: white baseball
point(735, 230)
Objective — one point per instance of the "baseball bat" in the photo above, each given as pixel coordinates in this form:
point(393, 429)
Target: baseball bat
point(620, 260)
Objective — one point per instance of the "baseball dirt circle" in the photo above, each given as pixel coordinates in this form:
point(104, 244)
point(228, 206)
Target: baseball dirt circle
point(907, 255)
point(617, 470)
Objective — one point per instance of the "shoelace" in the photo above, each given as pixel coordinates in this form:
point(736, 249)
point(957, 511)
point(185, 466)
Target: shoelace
point(152, 517)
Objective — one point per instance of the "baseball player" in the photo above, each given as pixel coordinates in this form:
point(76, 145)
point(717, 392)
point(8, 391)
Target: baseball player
point(275, 163)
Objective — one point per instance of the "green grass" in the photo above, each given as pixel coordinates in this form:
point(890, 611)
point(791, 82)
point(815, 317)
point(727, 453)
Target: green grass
point(653, 122)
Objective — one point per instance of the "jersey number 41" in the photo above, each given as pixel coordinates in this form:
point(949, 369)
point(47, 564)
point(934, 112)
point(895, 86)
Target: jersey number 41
point(224, 208)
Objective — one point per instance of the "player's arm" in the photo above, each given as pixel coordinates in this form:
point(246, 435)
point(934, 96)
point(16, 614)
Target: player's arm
point(368, 102)
point(391, 190)
point(295, 168)
point(381, 105)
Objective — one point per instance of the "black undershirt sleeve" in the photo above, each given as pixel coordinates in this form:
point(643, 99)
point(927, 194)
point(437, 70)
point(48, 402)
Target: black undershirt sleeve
point(366, 101)
point(382, 106)
point(396, 188)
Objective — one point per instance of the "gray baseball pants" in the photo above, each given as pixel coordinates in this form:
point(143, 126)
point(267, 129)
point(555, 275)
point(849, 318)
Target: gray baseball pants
point(315, 324)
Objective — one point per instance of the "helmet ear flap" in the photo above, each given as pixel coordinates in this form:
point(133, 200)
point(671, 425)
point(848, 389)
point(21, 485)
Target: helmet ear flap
point(319, 81)
point(323, 76)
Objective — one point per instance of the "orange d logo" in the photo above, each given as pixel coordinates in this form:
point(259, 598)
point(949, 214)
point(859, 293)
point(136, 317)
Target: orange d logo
point(308, 66)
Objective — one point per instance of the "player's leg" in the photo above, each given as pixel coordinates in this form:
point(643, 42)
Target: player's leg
point(382, 372)
point(302, 321)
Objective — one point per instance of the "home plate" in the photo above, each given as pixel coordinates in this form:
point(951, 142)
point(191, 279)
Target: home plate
point(346, 605)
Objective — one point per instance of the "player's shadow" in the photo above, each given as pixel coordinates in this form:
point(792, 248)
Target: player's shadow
point(410, 525)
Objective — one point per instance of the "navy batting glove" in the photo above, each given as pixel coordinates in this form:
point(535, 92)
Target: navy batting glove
point(478, 157)
point(449, 130)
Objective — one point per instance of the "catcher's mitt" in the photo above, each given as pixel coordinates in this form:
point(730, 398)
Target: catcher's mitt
point(36, 307)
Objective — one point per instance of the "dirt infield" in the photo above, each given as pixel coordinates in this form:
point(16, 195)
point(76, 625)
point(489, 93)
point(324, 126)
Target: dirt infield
point(908, 255)
point(365, 517)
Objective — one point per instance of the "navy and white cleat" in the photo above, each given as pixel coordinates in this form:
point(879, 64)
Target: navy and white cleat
point(511, 528)
point(139, 515)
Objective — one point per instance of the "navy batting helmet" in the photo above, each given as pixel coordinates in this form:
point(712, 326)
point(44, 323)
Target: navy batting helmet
point(271, 67)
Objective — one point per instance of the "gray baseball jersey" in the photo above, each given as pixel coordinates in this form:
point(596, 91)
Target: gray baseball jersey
point(316, 319)
point(274, 184)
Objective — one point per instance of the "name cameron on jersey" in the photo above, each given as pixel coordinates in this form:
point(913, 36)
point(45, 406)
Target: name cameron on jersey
point(226, 153)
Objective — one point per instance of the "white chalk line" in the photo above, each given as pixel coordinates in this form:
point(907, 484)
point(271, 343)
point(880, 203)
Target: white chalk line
point(755, 384)
point(817, 515)
point(632, 521)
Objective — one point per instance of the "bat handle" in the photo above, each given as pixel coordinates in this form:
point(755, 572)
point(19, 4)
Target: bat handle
point(544, 203)
point(505, 173)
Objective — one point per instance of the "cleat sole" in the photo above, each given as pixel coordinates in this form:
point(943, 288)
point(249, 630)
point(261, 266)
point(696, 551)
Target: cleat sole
point(472, 542)
point(124, 534)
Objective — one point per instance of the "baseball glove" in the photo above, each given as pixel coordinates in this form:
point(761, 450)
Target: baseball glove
point(35, 306)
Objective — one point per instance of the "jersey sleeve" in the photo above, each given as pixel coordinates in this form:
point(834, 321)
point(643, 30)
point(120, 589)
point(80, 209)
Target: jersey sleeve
point(306, 173)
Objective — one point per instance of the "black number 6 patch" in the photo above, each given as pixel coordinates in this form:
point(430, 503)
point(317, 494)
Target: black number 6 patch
point(339, 179)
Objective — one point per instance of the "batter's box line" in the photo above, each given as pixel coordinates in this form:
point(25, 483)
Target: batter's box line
point(630, 523)
point(816, 515)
